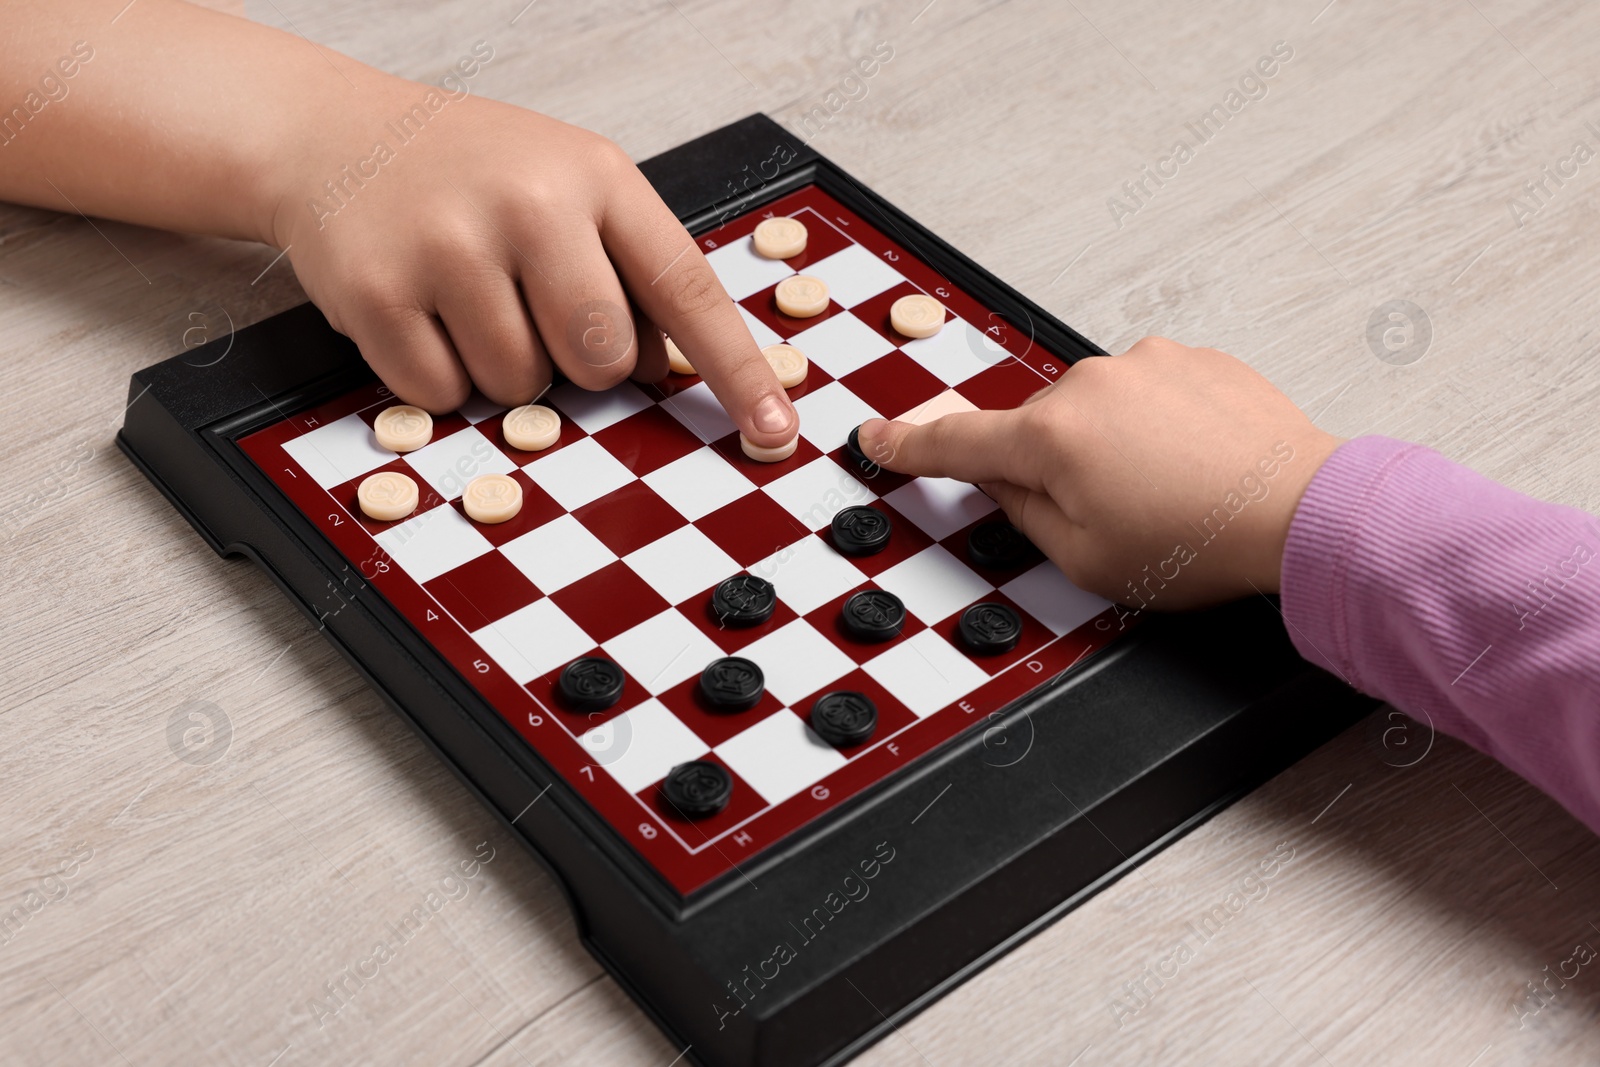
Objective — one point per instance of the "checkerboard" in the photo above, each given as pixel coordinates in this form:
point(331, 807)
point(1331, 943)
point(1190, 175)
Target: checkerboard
point(646, 503)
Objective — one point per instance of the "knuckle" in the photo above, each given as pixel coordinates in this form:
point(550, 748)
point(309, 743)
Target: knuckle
point(608, 157)
point(697, 289)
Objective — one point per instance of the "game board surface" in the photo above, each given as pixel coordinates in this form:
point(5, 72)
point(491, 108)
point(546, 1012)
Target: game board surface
point(646, 503)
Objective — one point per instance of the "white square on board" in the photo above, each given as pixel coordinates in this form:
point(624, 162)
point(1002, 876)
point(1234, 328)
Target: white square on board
point(956, 352)
point(854, 274)
point(797, 661)
point(925, 673)
point(743, 272)
point(841, 344)
point(449, 463)
point(818, 491)
point(765, 335)
point(808, 573)
point(940, 506)
point(555, 555)
point(699, 483)
point(934, 583)
point(1045, 593)
point(681, 564)
point(338, 451)
point(642, 744)
point(479, 407)
point(700, 411)
point(935, 408)
point(779, 756)
point(579, 473)
point(662, 651)
point(594, 411)
point(828, 415)
point(429, 544)
point(533, 641)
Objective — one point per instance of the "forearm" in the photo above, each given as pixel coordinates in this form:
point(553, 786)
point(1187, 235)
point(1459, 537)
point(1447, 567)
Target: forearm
point(172, 115)
point(1458, 601)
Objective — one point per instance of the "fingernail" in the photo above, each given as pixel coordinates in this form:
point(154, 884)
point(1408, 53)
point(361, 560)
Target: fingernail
point(772, 415)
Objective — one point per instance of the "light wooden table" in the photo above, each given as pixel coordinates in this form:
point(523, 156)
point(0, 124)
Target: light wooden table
point(177, 912)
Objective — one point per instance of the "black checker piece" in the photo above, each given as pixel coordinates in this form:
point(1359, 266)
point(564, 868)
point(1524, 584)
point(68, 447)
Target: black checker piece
point(988, 629)
point(732, 683)
point(861, 531)
point(844, 717)
point(697, 789)
point(744, 600)
point(874, 615)
point(999, 546)
point(852, 448)
point(590, 684)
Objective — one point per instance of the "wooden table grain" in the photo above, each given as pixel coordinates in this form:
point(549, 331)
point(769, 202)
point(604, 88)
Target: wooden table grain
point(1428, 906)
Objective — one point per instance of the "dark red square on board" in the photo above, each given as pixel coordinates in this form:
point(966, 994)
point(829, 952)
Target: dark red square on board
point(711, 724)
point(764, 473)
point(698, 610)
point(742, 804)
point(537, 509)
point(483, 590)
point(647, 440)
point(629, 518)
point(545, 689)
point(345, 494)
point(893, 384)
point(609, 601)
point(751, 528)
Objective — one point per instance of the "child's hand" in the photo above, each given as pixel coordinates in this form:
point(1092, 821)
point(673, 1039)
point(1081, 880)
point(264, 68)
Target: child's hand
point(1165, 476)
point(498, 242)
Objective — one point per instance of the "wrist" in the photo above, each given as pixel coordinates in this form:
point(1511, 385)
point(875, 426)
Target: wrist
point(1310, 454)
point(309, 160)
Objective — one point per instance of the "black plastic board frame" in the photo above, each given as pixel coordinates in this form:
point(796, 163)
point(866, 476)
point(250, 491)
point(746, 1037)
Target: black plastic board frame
point(1146, 740)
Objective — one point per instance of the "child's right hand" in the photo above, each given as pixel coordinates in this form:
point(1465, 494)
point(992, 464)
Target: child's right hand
point(499, 244)
point(1164, 476)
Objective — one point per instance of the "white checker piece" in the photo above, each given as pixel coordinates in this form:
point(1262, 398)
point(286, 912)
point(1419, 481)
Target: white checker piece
point(743, 272)
point(662, 651)
point(808, 574)
point(925, 673)
point(557, 553)
point(579, 474)
point(642, 744)
point(940, 506)
point(338, 451)
point(449, 463)
point(842, 344)
point(533, 641)
point(854, 274)
point(828, 415)
point(699, 483)
point(700, 411)
point(1046, 594)
point(934, 584)
point(779, 756)
point(681, 564)
point(433, 543)
point(594, 411)
point(956, 352)
point(797, 661)
point(817, 492)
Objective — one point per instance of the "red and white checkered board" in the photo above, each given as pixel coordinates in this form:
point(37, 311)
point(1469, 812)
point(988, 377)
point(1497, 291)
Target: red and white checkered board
point(646, 503)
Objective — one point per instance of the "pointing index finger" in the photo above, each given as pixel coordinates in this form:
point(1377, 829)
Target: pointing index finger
point(970, 446)
point(669, 278)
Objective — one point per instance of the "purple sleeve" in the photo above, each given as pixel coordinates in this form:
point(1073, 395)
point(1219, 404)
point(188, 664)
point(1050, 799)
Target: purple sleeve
point(1456, 600)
